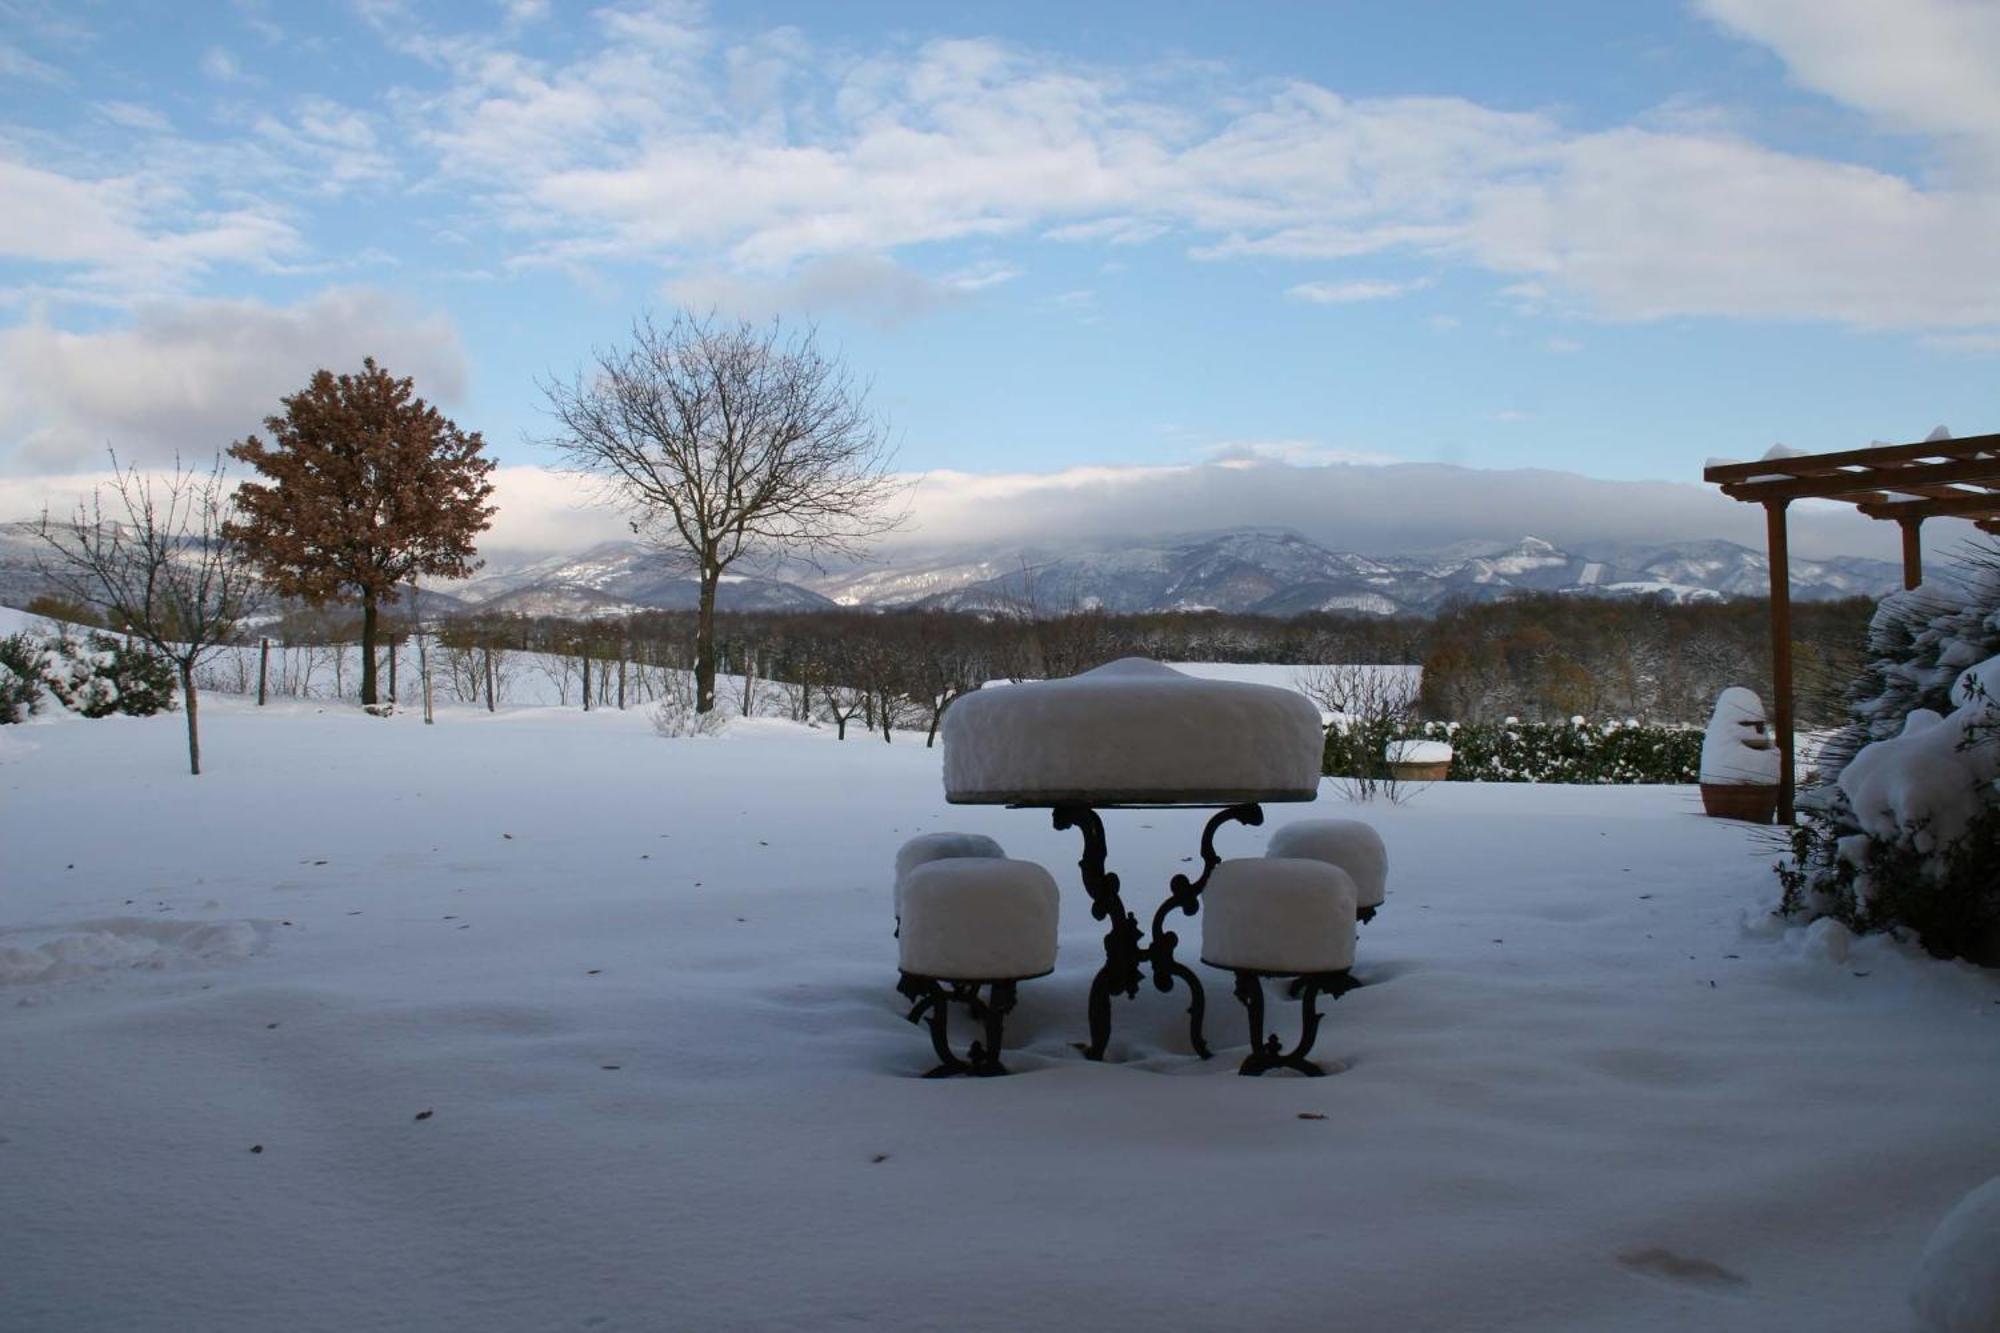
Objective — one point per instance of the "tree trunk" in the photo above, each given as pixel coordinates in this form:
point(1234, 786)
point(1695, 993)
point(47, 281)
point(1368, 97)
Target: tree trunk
point(369, 628)
point(194, 733)
point(704, 641)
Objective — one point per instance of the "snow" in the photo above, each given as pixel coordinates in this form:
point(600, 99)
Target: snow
point(1957, 1289)
point(1283, 915)
point(1589, 1085)
point(1932, 780)
point(1350, 844)
point(1131, 730)
point(937, 847)
point(1417, 752)
point(978, 918)
point(1736, 749)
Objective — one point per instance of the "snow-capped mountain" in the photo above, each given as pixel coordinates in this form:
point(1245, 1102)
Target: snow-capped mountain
point(1262, 571)
point(1268, 572)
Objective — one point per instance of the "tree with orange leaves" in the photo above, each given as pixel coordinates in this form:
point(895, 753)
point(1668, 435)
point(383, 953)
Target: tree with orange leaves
point(368, 487)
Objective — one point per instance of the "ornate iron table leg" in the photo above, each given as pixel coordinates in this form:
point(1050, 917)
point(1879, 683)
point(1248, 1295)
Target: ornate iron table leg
point(1124, 956)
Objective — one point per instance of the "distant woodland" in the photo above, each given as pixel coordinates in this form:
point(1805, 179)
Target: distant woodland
point(1532, 657)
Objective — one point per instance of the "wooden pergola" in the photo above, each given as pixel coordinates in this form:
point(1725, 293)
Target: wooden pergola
point(1906, 483)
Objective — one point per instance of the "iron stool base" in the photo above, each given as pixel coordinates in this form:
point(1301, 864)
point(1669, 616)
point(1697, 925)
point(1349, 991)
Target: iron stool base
point(1266, 1051)
point(982, 1060)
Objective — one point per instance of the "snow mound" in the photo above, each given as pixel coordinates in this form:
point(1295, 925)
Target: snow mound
point(1349, 844)
point(1418, 752)
point(1737, 750)
point(1934, 778)
point(1132, 730)
point(928, 847)
point(978, 918)
point(1279, 915)
point(1957, 1287)
point(118, 943)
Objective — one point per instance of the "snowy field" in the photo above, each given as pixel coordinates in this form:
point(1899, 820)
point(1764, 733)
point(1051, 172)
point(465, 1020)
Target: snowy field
point(539, 1021)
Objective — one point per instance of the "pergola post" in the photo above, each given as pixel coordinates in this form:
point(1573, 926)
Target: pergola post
point(1913, 551)
point(1781, 652)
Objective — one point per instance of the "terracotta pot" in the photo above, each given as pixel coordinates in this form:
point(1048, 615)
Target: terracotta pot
point(1756, 802)
point(1426, 772)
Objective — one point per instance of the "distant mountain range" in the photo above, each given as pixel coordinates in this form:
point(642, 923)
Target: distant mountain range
point(1264, 572)
point(1259, 571)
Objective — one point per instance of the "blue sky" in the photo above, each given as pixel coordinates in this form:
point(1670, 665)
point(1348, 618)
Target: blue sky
point(1612, 239)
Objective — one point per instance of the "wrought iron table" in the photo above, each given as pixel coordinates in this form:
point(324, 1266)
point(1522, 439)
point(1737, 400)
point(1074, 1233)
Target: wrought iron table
point(1129, 953)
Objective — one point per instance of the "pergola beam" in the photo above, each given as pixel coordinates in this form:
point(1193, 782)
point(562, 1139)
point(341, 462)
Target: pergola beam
point(1853, 481)
point(1964, 504)
point(1801, 465)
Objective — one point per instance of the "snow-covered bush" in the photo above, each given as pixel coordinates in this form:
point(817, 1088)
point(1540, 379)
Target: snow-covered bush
point(1903, 829)
point(20, 683)
point(675, 714)
point(96, 676)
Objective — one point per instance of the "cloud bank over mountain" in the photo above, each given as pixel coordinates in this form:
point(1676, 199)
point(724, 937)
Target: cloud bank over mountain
point(1371, 508)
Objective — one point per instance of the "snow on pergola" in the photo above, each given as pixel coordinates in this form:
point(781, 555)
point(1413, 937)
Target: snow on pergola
point(1937, 478)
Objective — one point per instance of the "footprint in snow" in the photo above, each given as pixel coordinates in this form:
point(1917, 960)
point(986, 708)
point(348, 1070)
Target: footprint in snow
point(1681, 1269)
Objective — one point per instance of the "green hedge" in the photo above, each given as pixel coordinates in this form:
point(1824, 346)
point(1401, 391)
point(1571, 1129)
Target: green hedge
point(1573, 751)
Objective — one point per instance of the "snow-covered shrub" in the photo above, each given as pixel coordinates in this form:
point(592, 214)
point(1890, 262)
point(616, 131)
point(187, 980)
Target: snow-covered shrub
point(675, 714)
point(101, 675)
point(20, 684)
point(1573, 751)
point(1903, 829)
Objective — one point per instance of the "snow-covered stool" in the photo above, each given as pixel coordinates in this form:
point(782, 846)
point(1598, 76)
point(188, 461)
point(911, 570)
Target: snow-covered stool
point(1280, 917)
point(937, 847)
point(1347, 843)
point(972, 923)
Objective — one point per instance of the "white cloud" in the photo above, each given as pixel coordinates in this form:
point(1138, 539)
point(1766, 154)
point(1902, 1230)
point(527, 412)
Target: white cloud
point(1563, 345)
point(194, 376)
point(1360, 289)
point(124, 234)
point(336, 145)
point(545, 510)
point(133, 116)
point(664, 142)
point(1925, 66)
point(1295, 453)
point(1353, 507)
point(218, 64)
point(18, 64)
point(872, 286)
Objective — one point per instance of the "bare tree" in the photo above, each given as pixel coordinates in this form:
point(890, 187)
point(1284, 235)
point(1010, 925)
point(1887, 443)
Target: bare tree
point(1368, 708)
point(151, 556)
point(723, 441)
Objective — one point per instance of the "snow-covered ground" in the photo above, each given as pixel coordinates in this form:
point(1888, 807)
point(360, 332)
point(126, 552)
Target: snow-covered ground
point(542, 1021)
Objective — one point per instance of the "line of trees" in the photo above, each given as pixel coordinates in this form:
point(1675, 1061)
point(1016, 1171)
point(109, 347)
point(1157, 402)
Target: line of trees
point(1544, 658)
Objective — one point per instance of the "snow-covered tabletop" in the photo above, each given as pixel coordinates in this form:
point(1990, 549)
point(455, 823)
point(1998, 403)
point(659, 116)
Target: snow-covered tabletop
point(1132, 732)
